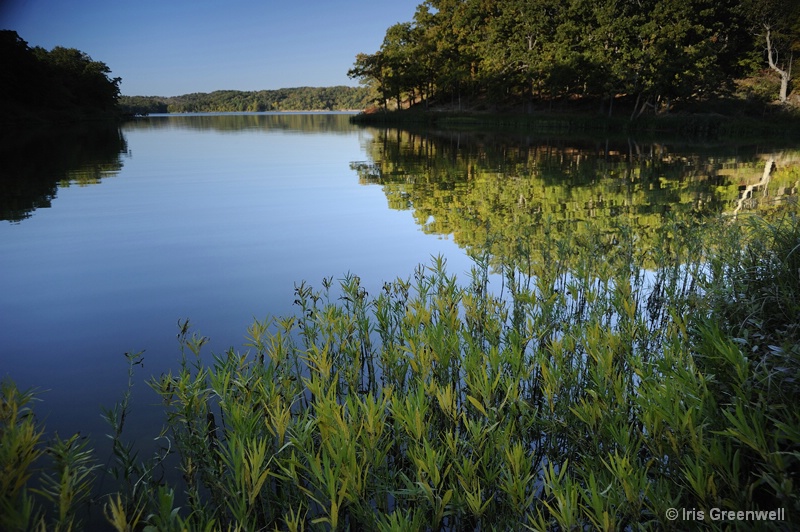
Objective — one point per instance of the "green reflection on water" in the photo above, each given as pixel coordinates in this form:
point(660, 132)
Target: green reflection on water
point(504, 195)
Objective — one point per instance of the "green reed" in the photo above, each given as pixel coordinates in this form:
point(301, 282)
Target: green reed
point(582, 392)
point(20, 449)
point(64, 480)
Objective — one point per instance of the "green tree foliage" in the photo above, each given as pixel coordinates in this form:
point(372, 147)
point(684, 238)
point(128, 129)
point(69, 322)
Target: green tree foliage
point(653, 53)
point(292, 99)
point(775, 25)
point(61, 83)
point(368, 69)
point(143, 105)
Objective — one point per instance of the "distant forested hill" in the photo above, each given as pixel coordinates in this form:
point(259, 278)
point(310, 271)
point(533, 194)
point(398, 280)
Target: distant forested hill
point(295, 99)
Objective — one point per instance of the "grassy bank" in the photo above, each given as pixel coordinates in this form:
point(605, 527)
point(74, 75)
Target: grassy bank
point(596, 395)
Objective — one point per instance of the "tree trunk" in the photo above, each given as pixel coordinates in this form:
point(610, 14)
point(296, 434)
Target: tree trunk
point(784, 86)
point(785, 74)
point(636, 106)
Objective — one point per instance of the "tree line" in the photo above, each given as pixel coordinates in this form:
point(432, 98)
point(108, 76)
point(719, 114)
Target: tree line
point(653, 53)
point(289, 99)
point(62, 83)
point(67, 84)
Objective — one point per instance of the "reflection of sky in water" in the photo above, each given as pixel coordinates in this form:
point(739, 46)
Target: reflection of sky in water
point(200, 224)
point(216, 219)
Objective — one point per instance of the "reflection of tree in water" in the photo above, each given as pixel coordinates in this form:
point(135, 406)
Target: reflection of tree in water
point(248, 122)
point(502, 194)
point(34, 163)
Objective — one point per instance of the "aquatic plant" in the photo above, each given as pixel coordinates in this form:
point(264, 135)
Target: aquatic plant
point(579, 390)
point(20, 438)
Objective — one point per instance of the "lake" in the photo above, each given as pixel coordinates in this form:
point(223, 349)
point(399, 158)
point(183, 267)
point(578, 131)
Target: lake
point(112, 235)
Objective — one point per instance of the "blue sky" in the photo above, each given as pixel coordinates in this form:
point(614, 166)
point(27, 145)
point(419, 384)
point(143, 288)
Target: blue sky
point(173, 47)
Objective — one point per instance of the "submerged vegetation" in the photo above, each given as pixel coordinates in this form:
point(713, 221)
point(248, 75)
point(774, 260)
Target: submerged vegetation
point(581, 390)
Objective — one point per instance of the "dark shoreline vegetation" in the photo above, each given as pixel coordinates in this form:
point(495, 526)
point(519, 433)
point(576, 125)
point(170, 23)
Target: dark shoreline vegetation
point(586, 391)
point(647, 57)
point(697, 70)
point(573, 121)
point(60, 86)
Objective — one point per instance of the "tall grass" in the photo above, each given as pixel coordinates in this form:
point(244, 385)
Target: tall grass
point(540, 397)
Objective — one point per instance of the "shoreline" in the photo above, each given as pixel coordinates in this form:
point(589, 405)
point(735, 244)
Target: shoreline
point(779, 124)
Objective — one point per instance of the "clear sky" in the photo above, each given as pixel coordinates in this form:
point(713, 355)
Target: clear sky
point(174, 47)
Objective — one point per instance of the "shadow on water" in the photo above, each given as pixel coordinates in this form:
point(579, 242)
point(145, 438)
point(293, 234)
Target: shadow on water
point(34, 163)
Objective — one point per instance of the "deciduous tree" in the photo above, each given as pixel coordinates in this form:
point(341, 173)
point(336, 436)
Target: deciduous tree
point(777, 24)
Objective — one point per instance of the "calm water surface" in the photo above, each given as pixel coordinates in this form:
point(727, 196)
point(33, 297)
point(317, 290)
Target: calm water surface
point(113, 236)
point(208, 218)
